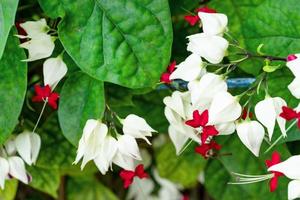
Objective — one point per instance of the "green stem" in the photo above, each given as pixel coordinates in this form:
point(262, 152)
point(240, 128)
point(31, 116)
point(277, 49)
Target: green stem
point(40, 116)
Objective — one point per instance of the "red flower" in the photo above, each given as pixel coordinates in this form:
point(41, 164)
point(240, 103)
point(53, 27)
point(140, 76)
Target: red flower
point(127, 176)
point(44, 94)
point(274, 160)
point(200, 120)
point(291, 57)
point(165, 77)
point(193, 19)
point(205, 149)
point(185, 197)
point(289, 114)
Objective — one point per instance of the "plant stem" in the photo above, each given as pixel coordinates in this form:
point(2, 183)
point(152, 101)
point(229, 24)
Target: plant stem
point(40, 116)
point(250, 55)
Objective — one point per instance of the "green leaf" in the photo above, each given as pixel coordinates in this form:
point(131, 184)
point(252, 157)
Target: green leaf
point(88, 189)
point(8, 10)
point(10, 190)
point(123, 42)
point(183, 169)
point(81, 98)
point(13, 84)
point(217, 173)
point(45, 180)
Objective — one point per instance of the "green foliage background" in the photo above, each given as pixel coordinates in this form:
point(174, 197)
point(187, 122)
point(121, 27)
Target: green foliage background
point(115, 52)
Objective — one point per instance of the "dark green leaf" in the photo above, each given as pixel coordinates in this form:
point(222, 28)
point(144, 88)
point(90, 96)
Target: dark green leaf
point(82, 98)
point(13, 84)
point(8, 10)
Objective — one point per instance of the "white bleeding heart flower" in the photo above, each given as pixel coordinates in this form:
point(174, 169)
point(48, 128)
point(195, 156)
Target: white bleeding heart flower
point(289, 167)
point(203, 91)
point(190, 69)
point(213, 23)
point(39, 47)
point(225, 128)
point(34, 29)
point(224, 108)
point(17, 169)
point(211, 47)
point(180, 103)
point(267, 112)
point(107, 151)
point(251, 133)
point(10, 147)
point(178, 138)
point(28, 145)
point(293, 63)
point(4, 169)
point(293, 190)
point(127, 152)
point(54, 69)
point(294, 87)
point(137, 127)
point(89, 146)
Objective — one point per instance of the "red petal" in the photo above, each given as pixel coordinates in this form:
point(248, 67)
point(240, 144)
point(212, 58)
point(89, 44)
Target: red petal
point(165, 78)
point(198, 120)
point(171, 67)
point(288, 113)
point(206, 10)
point(203, 119)
point(298, 123)
point(215, 145)
point(273, 183)
point(127, 177)
point(291, 57)
point(192, 19)
point(274, 160)
point(139, 171)
point(202, 150)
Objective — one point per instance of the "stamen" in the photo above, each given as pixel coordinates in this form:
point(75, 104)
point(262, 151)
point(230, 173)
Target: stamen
point(242, 179)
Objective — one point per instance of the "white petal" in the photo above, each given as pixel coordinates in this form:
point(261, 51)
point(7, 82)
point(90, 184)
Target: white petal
point(177, 138)
point(211, 47)
point(4, 169)
point(203, 91)
point(224, 108)
point(35, 28)
point(294, 87)
point(190, 69)
point(278, 104)
point(127, 145)
point(266, 114)
point(38, 48)
point(17, 169)
point(23, 146)
point(124, 161)
point(108, 151)
point(251, 133)
point(54, 69)
point(10, 146)
point(294, 66)
point(35, 141)
point(135, 189)
point(225, 128)
point(213, 23)
point(289, 167)
point(175, 103)
point(294, 190)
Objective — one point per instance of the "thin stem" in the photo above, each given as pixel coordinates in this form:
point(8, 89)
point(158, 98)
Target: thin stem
point(248, 175)
point(279, 138)
point(186, 10)
point(40, 116)
point(185, 147)
point(250, 55)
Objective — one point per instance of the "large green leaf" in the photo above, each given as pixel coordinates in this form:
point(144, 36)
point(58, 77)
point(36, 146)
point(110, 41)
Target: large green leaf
point(8, 10)
point(183, 169)
point(123, 42)
point(88, 189)
point(13, 84)
point(82, 98)
point(10, 190)
point(241, 161)
point(45, 180)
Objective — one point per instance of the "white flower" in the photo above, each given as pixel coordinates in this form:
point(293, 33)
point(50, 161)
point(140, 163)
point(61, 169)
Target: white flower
point(180, 103)
point(54, 69)
point(93, 136)
point(28, 146)
point(39, 47)
point(127, 152)
point(225, 128)
point(135, 193)
point(293, 190)
point(294, 65)
point(190, 69)
point(213, 23)
point(251, 133)
point(224, 108)
point(137, 127)
point(17, 169)
point(211, 47)
point(4, 169)
point(203, 91)
point(267, 112)
point(294, 87)
point(107, 151)
point(34, 28)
